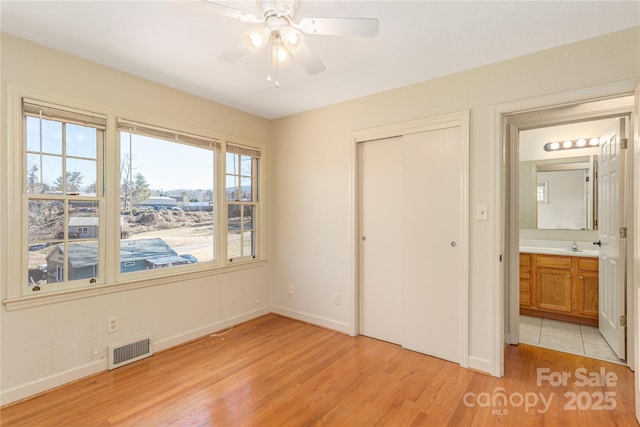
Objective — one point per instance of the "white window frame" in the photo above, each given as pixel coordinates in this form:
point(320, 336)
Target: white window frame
point(254, 202)
point(114, 281)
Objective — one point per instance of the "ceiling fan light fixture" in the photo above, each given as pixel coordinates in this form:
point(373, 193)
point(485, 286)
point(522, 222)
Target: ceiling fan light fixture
point(256, 38)
point(291, 39)
point(280, 56)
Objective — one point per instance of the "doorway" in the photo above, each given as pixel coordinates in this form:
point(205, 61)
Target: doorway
point(552, 268)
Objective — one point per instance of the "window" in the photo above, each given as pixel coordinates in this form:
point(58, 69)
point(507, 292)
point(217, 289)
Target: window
point(242, 201)
point(95, 211)
point(167, 198)
point(63, 187)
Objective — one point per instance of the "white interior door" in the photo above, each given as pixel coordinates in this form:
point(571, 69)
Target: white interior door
point(410, 257)
point(611, 283)
point(432, 258)
point(380, 183)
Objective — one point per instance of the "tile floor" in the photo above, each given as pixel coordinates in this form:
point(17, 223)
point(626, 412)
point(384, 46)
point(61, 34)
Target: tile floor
point(566, 337)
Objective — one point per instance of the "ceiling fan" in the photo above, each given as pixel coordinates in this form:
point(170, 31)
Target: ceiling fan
point(283, 35)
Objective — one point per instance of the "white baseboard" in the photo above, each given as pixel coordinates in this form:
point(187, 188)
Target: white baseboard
point(196, 333)
point(39, 386)
point(479, 364)
point(35, 387)
point(313, 319)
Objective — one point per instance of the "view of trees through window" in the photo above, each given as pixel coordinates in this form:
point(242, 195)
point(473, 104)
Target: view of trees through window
point(63, 207)
point(167, 198)
point(166, 202)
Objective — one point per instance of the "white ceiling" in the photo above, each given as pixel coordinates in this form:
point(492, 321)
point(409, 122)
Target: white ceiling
point(177, 43)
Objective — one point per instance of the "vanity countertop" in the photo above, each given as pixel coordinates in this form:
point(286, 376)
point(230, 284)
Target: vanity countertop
point(550, 247)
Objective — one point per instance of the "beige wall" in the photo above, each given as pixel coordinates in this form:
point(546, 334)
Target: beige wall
point(310, 216)
point(312, 172)
point(44, 346)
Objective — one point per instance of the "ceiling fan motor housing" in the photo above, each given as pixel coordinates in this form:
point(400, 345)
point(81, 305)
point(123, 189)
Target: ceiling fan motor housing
point(280, 8)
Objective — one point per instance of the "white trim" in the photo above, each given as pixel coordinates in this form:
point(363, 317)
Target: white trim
point(200, 332)
point(500, 111)
point(480, 364)
point(456, 119)
point(30, 301)
point(52, 381)
point(413, 126)
point(313, 319)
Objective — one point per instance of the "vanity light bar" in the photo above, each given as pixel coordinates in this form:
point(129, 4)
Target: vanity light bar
point(570, 144)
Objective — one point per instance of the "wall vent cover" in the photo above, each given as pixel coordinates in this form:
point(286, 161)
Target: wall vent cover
point(130, 352)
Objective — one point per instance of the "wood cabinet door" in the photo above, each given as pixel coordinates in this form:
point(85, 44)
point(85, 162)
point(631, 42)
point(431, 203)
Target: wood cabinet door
point(586, 291)
point(553, 289)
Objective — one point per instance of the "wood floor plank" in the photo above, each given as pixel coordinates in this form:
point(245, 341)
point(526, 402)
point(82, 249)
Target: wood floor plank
point(277, 371)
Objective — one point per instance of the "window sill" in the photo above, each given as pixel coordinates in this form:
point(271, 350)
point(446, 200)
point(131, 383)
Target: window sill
point(30, 301)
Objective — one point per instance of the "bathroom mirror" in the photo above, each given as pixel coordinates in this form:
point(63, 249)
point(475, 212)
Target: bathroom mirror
point(559, 194)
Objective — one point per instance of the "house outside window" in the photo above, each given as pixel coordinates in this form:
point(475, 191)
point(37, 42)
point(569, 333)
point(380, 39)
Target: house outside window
point(167, 192)
point(172, 214)
point(63, 180)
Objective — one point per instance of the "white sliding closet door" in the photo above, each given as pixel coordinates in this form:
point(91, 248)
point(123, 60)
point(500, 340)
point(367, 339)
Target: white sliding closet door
point(381, 182)
point(411, 255)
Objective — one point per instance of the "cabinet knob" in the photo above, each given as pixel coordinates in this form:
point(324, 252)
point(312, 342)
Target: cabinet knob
point(581, 277)
point(568, 275)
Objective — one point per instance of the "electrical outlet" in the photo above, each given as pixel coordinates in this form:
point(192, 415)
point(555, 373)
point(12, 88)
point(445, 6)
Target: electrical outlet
point(291, 292)
point(112, 324)
point(336, 298)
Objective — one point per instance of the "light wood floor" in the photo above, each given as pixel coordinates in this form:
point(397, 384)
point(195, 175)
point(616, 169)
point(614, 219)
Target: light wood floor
point(274, 371)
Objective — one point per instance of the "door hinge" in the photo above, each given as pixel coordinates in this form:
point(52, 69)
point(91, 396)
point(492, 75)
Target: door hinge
point(624, 143)
point(623, 232)
point(623, 321)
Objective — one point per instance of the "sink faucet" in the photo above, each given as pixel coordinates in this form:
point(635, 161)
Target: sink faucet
point(574, 247)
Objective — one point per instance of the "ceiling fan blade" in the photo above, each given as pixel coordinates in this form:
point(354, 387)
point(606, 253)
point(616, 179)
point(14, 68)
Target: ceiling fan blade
point(358, 27)
point(235, 53)
point(308, 60)
point(232, 12)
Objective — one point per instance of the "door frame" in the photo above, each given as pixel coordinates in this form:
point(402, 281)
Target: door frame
point(460, 120)
point(506, 230)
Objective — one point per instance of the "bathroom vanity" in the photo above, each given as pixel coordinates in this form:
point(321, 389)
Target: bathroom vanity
point(559, 283)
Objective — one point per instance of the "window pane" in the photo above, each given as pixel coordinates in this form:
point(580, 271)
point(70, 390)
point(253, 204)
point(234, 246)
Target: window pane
point(167, 203)
point(51, 137)
point(81, 176)
point(234, 245)
point(81, 141)
point(234, 211)
point(83, 260)
point(246, 163)
point(246, 190)
point(83, 220)
point(55, 263)
point(34, 179)
point(248, 243)
point(232, 164)
point(46, 221)
point(247, 220)
point(33, 134)
point(51, 172)
point(232, 188)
